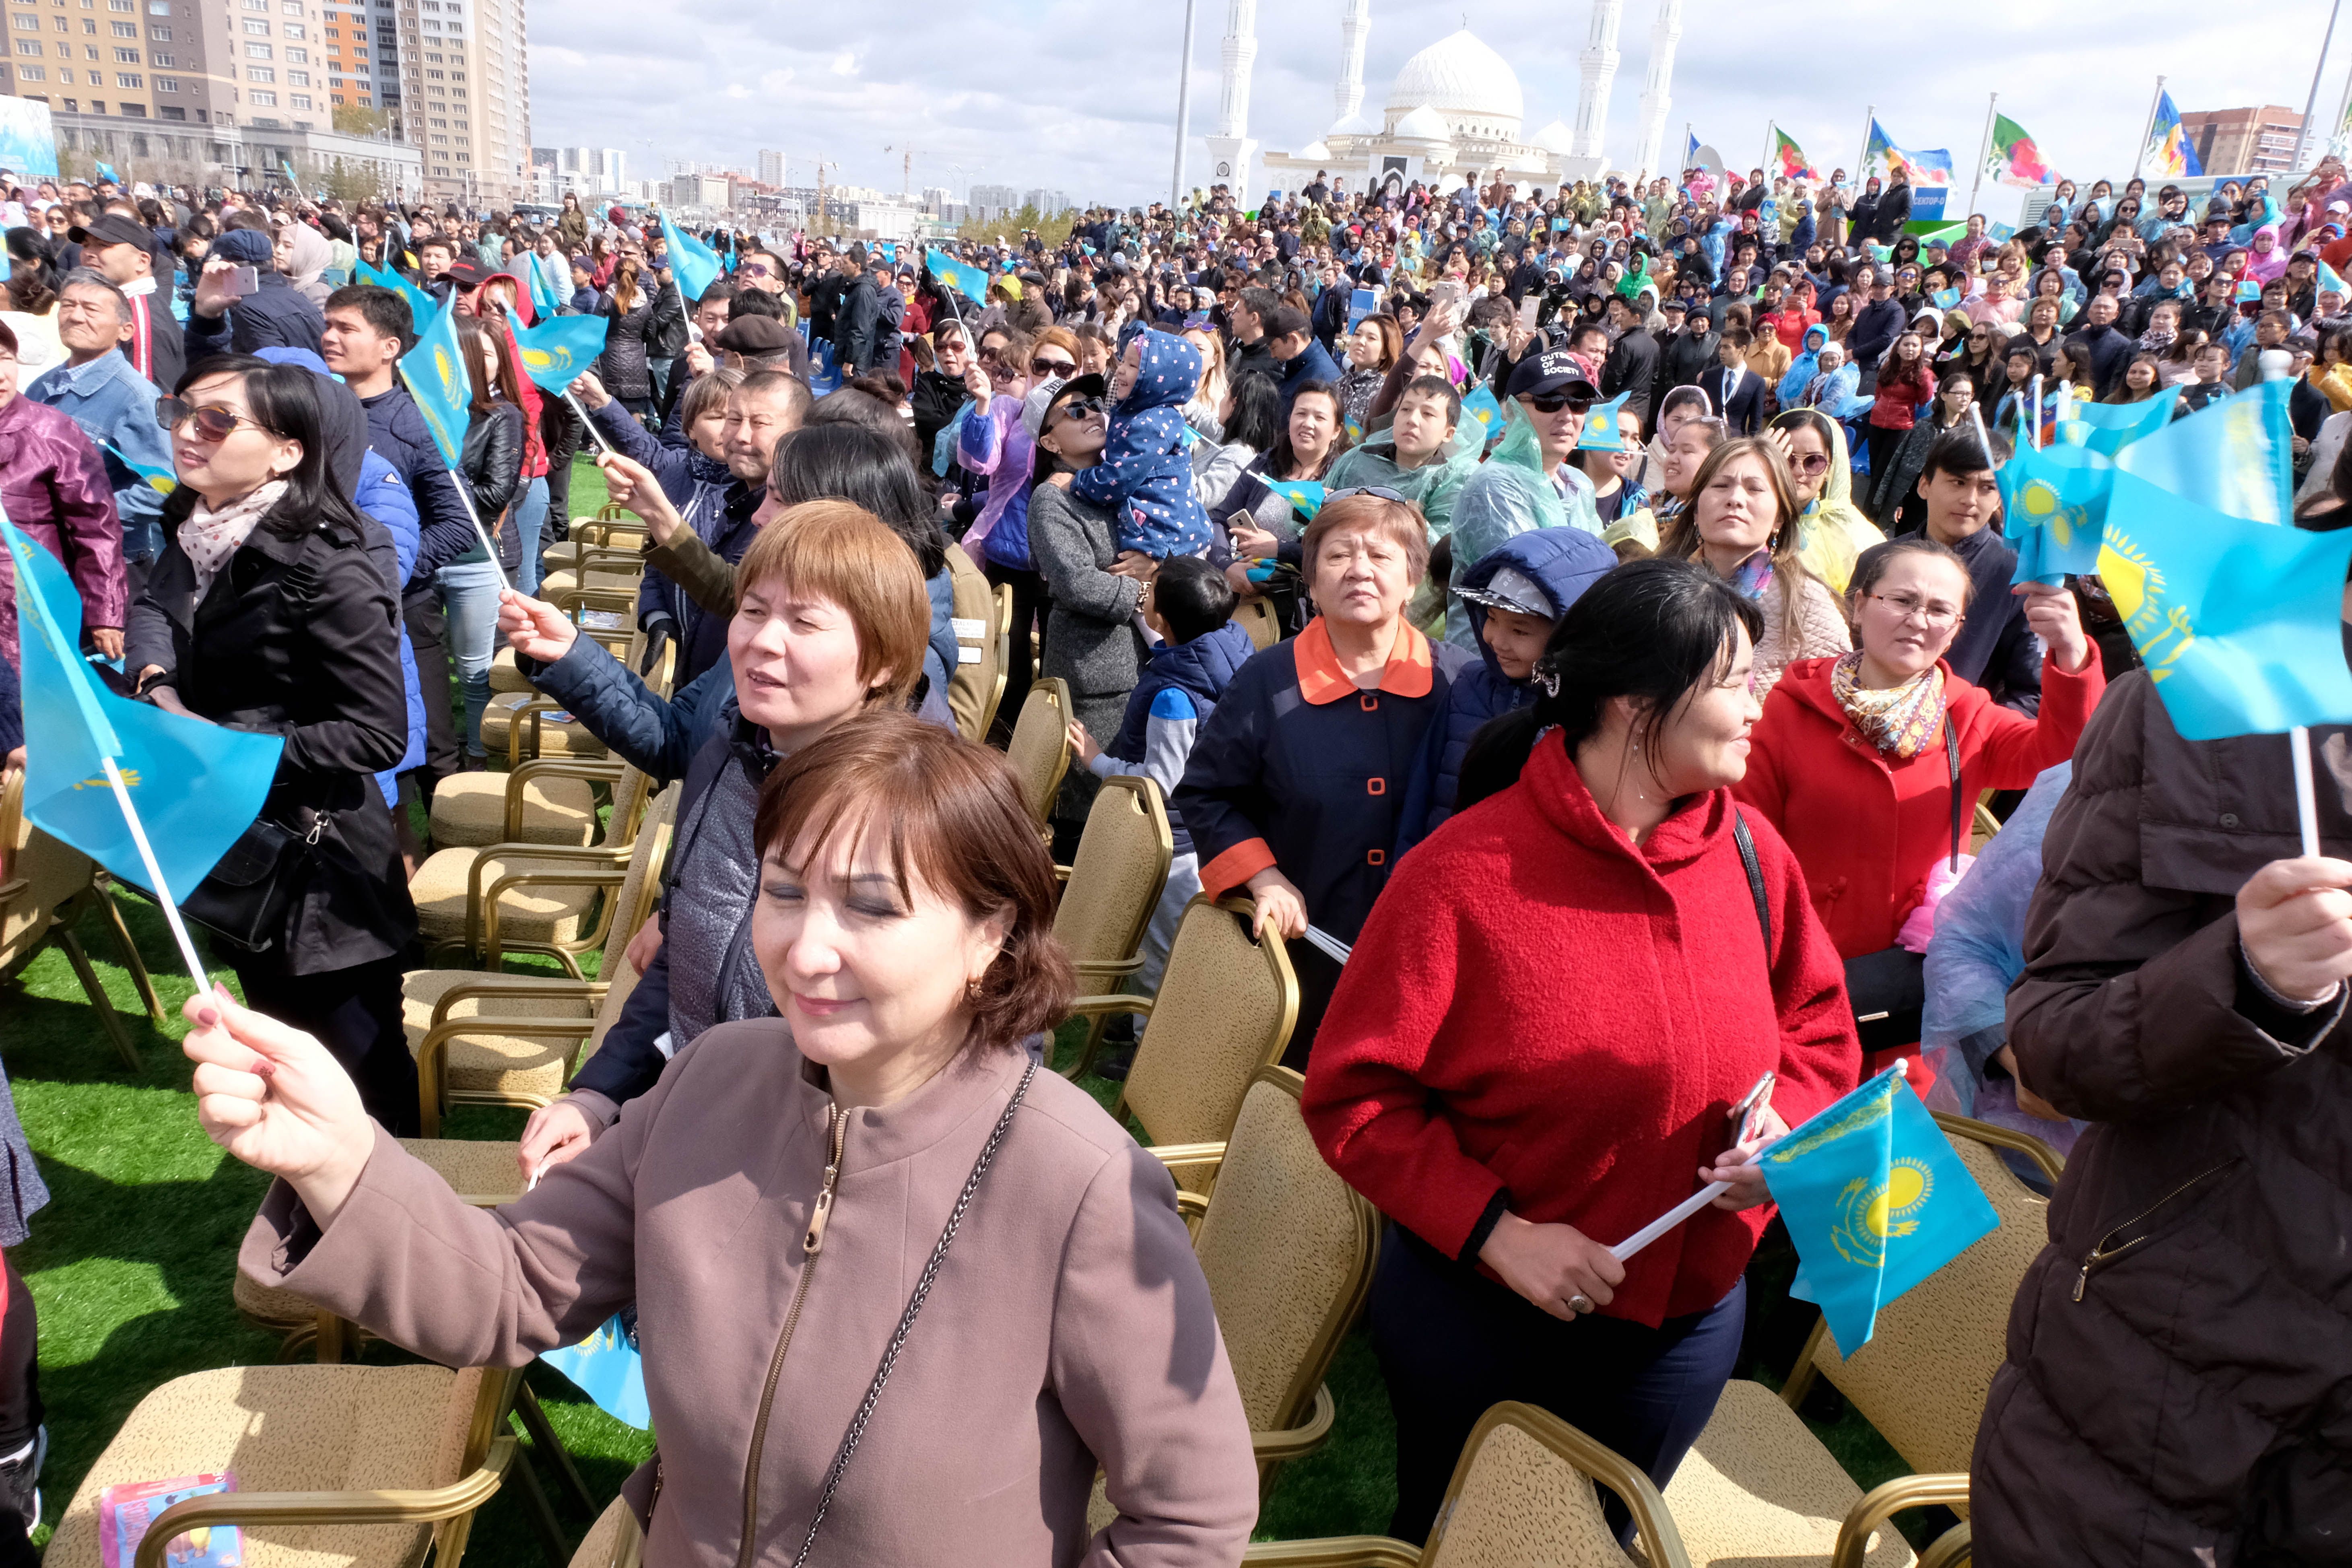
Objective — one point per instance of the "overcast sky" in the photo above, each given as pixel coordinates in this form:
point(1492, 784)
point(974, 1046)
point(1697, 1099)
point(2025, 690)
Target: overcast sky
point(1080, 95)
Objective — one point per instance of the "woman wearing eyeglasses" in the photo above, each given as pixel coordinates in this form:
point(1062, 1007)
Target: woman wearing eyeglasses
point(264, 612)
point(996, 445)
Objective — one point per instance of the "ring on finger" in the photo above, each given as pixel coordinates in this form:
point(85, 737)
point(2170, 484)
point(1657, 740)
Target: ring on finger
point(1580, 1304)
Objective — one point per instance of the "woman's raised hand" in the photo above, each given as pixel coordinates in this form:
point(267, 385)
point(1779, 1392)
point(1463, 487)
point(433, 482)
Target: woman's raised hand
point(632, 486)
point(1737, 1165)
point(2295, 926)
point(2053, 614)
point(273, 1097)
point(533, 627)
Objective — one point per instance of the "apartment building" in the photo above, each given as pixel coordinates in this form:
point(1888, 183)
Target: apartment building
point(464, 96)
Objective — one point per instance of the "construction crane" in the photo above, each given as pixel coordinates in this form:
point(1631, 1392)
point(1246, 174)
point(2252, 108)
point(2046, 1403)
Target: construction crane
point(905, 169)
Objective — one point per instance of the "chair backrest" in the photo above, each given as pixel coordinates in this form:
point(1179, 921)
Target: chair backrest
point(38, 873)
point(1117, 876)
point(612, 1542)
point(1524, 1492)
point(1226, 1006)
point(1000, 633)
point(1040, 748)
point(634, 899)
point(1258, 618)
point(1923, 1378)
point(631, 792)
point(1287, 1247)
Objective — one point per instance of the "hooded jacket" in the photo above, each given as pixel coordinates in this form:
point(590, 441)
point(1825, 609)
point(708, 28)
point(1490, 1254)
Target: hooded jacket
point(1145, 473)
point(1180, 689)
point(1564, 561)
point(1511, 494)
point(1832, 533)
point(1433, 486)
point(1806, 365)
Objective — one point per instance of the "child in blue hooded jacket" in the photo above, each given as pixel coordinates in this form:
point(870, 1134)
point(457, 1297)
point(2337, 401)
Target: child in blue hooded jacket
point(1145, 475)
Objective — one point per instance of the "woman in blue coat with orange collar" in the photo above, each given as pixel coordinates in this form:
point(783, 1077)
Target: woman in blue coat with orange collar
point(1297, 782)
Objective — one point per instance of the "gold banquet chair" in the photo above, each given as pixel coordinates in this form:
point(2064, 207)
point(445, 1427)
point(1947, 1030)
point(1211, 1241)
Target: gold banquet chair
point(1227, 1005)
point(1259, 619)
point(362, 1467)
point(1000, 637)
point(545, 800)
point(1112, 885)
point(523, 723)
point(1759, 1483)
point(485, 901)
point(612, 1542)
point(1522, 1495)
point(46, 886)
point(510, 1039)
point(1040, 748)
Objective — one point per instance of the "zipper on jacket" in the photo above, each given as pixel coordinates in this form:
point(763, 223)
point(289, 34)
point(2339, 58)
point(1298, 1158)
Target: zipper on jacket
point(836, 1132)
point(2099, 1256)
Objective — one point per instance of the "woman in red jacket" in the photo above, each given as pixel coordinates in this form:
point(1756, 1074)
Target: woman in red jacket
point(1852, 764)
point(1534, 1050)
point(1906, 384)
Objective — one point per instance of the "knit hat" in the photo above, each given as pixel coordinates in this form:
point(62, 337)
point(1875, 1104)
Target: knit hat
point(244, 246)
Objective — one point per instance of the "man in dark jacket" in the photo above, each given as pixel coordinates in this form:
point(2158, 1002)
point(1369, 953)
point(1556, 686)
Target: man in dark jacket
point(123, 250)
point(1633, 364)
point(2108, 351)
point(2175, 1386)
point(1876, 324)
point(825, 294)
point(273, 316)
point(1893, 209)
point(1299, 361)
point(1689, 350)
point(866, 336)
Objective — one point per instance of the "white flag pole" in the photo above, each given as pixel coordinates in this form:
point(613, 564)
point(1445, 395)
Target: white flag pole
point(2307, 803)
point(155, 874)
point(467, 497)
point(597, 435)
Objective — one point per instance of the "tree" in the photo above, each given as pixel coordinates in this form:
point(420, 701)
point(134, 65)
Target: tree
point(352, 119)
point(1052, 230)
point(352, 183)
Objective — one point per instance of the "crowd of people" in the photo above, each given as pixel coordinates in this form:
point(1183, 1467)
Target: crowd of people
point(1635, 642)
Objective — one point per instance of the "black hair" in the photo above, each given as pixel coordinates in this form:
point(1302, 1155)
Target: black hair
point(849, 459)
point(1652, 630)
point(1257, 421)
point(287, 400)
point(1192, 597)
point(1279, 456)
point(1871, 563)
point(1960, 452)
point(383, 308)
point(1435, 386)
point(746, 303)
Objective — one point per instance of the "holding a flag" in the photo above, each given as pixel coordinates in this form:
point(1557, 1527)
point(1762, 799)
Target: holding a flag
point(694, 264)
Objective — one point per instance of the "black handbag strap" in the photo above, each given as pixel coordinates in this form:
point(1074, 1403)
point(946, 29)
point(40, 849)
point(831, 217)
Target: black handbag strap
point(857, 1423)
point(1747, 842)
point(1952, 761)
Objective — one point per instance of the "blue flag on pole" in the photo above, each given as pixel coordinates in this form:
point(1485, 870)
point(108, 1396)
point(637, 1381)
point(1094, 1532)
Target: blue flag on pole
point(437, 378)
point(1305, 496)
point(2236, 455)
point(421, 308)
point(2054, 502)
point(196, 786)
point(1482, 406)
point(289, 169)
point(162, 481)
point(1875, 1201)
point(1690, 153)
point(2240, 624)
point(546, 299)
point(968, 281)
point(106, 172)
point(608, 1369)
point(2109, 428)
point(1601, 432)
point(694, 264)
point(558, 349)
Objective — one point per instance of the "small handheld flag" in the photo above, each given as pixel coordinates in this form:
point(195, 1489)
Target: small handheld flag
point(694, 264)
point(1305, 496)
point(2052, 505)
point(2109, 428)
point(421, 308)
point(558, 349)
point(2236, 455)
point(162, 481)
point(443, 387)
point(289, 169)
point(608, 1369)
point(1600, 431)
point(967, 280)
point(1875, 1201)
point(546, 303)
point(1481, 406)
point(106, 172)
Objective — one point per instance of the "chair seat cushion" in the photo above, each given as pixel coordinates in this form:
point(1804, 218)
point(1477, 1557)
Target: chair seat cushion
point(288, 1430)
point(482, 1172)
point(556, 738)
point(1759, 1487)
point(510, 1068)
point(471, 809)
point(539, 914)
point(505, 674)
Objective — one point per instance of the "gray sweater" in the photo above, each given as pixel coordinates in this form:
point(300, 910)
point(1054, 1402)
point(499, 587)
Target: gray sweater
point(1090, 641)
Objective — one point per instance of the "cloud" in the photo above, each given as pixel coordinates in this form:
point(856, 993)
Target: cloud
point(1080, 95)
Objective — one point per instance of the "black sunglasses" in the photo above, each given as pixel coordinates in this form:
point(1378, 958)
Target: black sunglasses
point(214, 422)
point(1053, 368)
point(1378, 492)
point(1549, 404)
point(1079, 407)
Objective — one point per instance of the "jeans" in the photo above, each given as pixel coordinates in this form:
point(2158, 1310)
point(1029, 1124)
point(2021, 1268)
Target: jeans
point(470, 590)
point(421, 618)
point(530, 515)
point(1453, 1343)
point(659, 370)
point(1183, 885)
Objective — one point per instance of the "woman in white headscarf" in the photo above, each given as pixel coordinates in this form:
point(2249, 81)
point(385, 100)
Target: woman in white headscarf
point(303, 253)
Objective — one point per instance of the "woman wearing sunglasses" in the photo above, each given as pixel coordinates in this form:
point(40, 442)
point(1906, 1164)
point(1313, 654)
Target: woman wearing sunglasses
point(1831, 528)
point(264, 613)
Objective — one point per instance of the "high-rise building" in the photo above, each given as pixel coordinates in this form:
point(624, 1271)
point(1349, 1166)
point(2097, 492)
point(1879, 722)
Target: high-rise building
point(771, 166)
point(1047, 202)
point(2258, 140)
point(987, 201)
point(99, 59)
point(465, 96)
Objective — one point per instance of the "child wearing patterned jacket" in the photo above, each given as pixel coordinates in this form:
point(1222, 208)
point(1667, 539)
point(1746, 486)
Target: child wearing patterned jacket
point(1145, 476)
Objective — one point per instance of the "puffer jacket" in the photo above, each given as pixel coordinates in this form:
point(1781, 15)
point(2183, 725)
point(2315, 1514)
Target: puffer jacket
point(2179, 1387)
point(1564, 561)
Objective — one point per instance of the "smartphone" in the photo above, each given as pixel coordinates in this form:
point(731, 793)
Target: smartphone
point(1748, 1116)
point(1527, 308)
point(244, 281)
point(1447, 291)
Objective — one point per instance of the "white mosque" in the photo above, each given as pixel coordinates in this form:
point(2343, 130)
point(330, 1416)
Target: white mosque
point(1454, 114)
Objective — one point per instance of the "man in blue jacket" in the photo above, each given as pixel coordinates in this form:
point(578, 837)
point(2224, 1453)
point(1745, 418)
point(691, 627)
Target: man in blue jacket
point(272, 316)
point(1298, 356)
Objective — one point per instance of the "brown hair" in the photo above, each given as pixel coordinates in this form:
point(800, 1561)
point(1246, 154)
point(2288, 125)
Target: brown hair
point(1683, 542)
point(1401, 521)
point(834, 550)
point(706, 392)
point(949, 813)
point(470, 332)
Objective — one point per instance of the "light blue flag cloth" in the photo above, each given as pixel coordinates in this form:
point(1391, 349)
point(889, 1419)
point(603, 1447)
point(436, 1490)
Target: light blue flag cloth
point(106, 172)
point(2109, 428)
point(162, 481)
point(545, 301)
point(968, 281)
point(558, 349)
point(2235, 455)
point(1874, 1200)
point(196, 786)
point(1305, 496)
point(1601, 432)
point(2054, 502)
point(694, 264)
point(436, 373)
point(1482, 406)
point(421, 308)
point(1361, 302)
point(889, 249)
point(289, 168)
point(608, 1369)
point(2331, 278)
point(2240, 624)
point(1945, 299)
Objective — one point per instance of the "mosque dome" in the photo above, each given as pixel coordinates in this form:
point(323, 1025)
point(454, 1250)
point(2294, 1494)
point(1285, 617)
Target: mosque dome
point(1555, 138)
point(1356, 124)
point(1471, 86)
point(1424, 125)
point(1316, 152)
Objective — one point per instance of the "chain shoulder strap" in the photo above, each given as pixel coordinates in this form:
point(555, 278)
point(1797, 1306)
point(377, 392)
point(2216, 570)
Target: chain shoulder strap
point(857, 1424)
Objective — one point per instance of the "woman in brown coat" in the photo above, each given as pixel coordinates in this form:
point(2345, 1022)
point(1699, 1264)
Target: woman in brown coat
point(2179, 1380)
point(773, 1204)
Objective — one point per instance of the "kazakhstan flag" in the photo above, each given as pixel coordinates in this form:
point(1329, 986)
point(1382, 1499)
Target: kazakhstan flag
point(2054, 502)
point(1875, 1201)
point(694, 264)
point(1305, 496)
point(968, 281)
point(196, 786)
point(1481, 406)
point(437, 378)
point(420, 304)
point(2240, 624)
point(2236, 455)
point(2109, 428)
point(1601, 432)
point(608, 1369)
point(558, 349)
